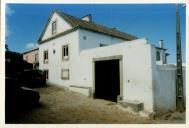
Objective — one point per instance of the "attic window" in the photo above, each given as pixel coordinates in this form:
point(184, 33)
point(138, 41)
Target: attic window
point(54, 27)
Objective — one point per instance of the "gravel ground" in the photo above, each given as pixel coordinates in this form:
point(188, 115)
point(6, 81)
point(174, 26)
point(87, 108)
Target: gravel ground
point(58, 105)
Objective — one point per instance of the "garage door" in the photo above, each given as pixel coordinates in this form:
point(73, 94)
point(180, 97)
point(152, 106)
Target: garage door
point(107, 79)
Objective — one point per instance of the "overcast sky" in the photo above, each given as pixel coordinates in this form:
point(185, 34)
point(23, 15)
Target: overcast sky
point(25, 22)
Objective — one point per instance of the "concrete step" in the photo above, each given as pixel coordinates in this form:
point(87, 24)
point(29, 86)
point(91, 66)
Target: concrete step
point(136, 106)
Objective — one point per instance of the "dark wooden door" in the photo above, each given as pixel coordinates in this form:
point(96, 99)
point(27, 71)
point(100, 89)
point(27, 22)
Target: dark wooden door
point(107, 80)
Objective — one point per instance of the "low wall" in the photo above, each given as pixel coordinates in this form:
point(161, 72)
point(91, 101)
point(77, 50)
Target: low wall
point(135, 73)
point(83, 90)
point(164, 88)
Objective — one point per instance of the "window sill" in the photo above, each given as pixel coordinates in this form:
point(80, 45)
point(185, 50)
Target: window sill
point(66, 59)
point(64, 78)
point(54, 34)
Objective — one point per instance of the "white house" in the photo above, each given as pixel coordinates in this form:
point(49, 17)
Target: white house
point(105, 63)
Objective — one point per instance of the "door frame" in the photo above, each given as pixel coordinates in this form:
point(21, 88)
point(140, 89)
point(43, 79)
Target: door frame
point(117, 57)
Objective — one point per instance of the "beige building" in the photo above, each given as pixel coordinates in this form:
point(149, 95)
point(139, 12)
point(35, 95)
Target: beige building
point(32, 57)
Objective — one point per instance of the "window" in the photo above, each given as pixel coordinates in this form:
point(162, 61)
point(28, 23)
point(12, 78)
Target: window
point(65, 52)
point(54, 27)
point(65, 74)
point(157, 56)
point(46, 72)
point(45, 54)
point(36, 57)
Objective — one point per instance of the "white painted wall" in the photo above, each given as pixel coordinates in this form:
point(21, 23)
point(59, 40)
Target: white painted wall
point(164, 82)
point(138, 74)
point(93, 39)
point(136, 69)
point(164, 86)
point(136, 66)
point(142, 78)
point(55, 62)
point(61, 26)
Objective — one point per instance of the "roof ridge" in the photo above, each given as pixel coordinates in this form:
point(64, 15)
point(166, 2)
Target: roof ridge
point(94, 23)
point(92, 26)
point(30, 50)
point(85, 20)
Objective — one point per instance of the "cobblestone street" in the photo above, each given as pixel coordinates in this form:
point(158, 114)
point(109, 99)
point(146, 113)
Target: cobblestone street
point(61, 106)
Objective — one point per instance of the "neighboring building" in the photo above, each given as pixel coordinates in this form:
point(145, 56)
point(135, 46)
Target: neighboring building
point(106, 63)
point(14, 64)
point(32, 57)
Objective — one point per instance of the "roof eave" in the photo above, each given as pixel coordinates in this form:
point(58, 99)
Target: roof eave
point(121, 37)
point(61, 15)
point(30, 51)
point(161, 48)
point(58, 35)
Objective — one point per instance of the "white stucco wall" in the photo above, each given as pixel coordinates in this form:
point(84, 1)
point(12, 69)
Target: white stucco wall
point(93, 39)
point(164, 82)
point(137, 75)
point(141, 78)
point(61, 26)
point(55, 62)
point(164, 88)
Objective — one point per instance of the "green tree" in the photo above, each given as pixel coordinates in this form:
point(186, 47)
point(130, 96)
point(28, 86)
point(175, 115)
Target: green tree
point(6, 47)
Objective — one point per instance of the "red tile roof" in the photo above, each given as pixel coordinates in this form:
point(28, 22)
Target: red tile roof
point(88, 25)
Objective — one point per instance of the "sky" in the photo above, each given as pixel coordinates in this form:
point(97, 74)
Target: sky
point(25, 22)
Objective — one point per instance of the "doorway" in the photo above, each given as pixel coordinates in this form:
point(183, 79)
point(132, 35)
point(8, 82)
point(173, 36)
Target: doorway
point(107, 79)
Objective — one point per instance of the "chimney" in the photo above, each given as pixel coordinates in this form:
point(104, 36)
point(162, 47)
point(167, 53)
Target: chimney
point(161, 43)
point(87, 18)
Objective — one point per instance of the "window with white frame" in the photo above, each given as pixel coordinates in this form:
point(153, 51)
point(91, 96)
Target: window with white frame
point(65, 75)
point(54, 27)
point(45, 56)
point(65, 52)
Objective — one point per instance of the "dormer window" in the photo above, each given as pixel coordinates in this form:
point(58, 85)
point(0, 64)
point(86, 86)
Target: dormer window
point(54, 27)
